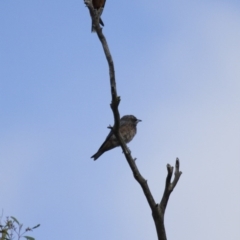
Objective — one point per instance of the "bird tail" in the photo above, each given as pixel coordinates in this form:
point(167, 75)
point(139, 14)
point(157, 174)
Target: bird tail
point(96, 155)
point(101, 23)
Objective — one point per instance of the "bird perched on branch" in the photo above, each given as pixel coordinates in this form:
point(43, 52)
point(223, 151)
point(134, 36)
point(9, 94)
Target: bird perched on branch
point(127, 130)
point(98, 6)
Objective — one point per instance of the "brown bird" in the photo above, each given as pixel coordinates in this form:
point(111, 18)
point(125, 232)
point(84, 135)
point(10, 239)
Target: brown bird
point(127, 129)
point(98, 6)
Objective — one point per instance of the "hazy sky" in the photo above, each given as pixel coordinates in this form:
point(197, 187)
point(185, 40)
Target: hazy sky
point(177, 68)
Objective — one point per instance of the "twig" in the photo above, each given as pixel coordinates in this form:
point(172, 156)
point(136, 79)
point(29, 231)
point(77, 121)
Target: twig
point(170, 186)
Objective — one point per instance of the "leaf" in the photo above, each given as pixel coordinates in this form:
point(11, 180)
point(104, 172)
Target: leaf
point(36, 226)
point(15, 220)
point(29, 238)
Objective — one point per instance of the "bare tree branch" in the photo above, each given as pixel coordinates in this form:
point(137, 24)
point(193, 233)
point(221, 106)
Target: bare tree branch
point(158, 214)
point(115, 97)
point(158, 210)
point(170, 186)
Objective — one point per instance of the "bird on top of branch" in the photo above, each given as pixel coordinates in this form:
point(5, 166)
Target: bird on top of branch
point(127, 130)
point(98, 6)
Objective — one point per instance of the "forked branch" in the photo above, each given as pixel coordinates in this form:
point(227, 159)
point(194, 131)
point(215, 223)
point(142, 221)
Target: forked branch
point(170, 186)
point(158, 210)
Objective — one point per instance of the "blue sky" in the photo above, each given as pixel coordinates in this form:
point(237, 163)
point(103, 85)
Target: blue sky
point(177, 68)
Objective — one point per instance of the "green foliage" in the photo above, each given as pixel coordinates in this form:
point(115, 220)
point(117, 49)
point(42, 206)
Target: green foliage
point(12, 229)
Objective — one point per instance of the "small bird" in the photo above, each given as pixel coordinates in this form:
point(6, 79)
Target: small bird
point(127, 129)
point(98, 6)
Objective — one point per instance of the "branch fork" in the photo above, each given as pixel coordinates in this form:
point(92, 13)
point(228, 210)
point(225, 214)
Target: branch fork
point(158, 210)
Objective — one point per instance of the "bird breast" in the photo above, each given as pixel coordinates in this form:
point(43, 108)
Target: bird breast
point(128, 132)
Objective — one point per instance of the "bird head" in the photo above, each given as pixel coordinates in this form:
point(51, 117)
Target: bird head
point(129, 119)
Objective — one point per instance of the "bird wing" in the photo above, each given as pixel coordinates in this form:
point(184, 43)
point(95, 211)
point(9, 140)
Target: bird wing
point(106, 144)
